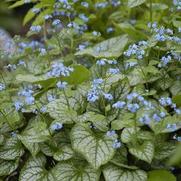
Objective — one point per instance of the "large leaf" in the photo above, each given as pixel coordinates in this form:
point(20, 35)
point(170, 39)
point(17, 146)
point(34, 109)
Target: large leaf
point(115, 173)
point(134, 3)
point(133, 134)
point(79, 75)
point(7, 167)
point(64, 153)
point(61, 112)
point(145, 151)
point(109, 48)
point(75, 172)
point(34, 170)
point(11, 150)
point(96, 148)
point(34, 134)
point(160, 175)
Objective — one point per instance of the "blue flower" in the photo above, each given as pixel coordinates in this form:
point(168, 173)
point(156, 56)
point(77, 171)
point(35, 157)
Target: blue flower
point(111, 133)
point(61, 85)
point(47, 16)
point(92, 96)
point(18, 105)
point(114, 71)
point(172, 127)
point(2, 86)
point(51, 98)
point(108, 96)
point(56, 22)
point(43, 109)
point(132, 96)
point(165, 101)
point(29, 100)
point(56, 126)
point(85, 4)
point(83, 17)
point(35, 10)
point(162, 114)
point(156, 117)
point(133, 107)
point(119, 105)
point(116, 144)
point(35, 29)
point(145, 119)
point(58, 69)
point(101, 62)
point(97, 81)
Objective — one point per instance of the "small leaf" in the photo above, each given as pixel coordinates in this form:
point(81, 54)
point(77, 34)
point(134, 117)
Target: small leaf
point(114, 173)
point(144, 151)
point(160, 175)
point(134, 3)
point(97, 149)
point(113, 47)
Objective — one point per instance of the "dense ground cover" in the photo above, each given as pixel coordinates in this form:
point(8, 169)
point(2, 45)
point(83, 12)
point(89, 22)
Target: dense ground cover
point(96, 95)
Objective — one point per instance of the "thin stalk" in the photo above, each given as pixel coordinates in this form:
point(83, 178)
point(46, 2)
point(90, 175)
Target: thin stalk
point(151, 12)
point(68, 104)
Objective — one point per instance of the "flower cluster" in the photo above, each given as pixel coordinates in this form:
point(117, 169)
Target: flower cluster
point(58, 69)
point(136, 50)
point(2, 86)
point(163, 34)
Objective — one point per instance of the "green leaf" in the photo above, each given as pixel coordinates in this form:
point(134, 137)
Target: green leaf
point(60, 112)
point(163, 149)
point(7, 167)
point(75, 172)
point(177, 99)
point(97, 149)
point(64, 153)
point(131, 135)
point(160, 175)
point(34, 134)
point(115, 173)
point(11, 150)
point(161, 127)
point(33, 169)
point(16, 4)
point(175, 159)
point(98, 120)
point(134, 3)
point(113, 47)
point(29, 16)
point(78, 76)
point(144, 151)
point(131, 31)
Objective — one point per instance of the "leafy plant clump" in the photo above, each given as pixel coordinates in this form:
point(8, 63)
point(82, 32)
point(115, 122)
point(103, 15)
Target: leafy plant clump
point(93, 92)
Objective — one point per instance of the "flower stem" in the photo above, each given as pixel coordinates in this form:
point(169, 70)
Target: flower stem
point(151, 9)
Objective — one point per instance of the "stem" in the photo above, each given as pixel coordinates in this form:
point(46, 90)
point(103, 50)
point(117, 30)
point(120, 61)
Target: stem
point(151, 14)
point(66, 99)
point(44, 31)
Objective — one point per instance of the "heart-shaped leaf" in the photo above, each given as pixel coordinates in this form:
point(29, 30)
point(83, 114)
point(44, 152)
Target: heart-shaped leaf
point(144, 151)
point(96, 148)
point(115, 173)
point(112, 47)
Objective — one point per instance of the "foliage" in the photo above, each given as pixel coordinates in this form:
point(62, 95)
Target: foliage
point(96, 96)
